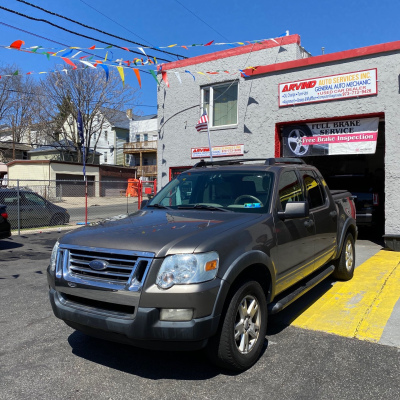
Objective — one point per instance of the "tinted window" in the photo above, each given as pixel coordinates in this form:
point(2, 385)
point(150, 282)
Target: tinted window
point(313, 190)
point(289, 189)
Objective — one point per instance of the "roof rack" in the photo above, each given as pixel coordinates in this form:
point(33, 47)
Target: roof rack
point(266, 161)
point(203, 163)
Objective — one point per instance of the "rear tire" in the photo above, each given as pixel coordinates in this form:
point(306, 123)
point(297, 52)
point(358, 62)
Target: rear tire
point(57, 219)
point(240, 338)
point(344, 265)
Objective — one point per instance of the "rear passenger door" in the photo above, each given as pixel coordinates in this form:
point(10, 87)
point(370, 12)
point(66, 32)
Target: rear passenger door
point(294, 254)
point(324, 215)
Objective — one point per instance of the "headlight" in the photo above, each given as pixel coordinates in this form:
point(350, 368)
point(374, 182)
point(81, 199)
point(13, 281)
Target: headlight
point(182, 269)
point(53, 257)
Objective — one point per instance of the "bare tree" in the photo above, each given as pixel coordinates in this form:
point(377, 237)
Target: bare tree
point(99, 100)
point(17, 98)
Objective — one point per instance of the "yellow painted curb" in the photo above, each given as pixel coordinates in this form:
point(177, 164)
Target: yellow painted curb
point(359, 308)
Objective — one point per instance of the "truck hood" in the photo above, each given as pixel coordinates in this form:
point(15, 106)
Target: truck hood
point(161, 232)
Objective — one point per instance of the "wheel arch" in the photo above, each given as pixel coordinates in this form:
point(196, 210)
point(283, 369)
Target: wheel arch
point(253, 265)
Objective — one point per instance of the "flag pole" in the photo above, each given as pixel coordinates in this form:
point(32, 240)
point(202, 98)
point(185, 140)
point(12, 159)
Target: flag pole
point(209, 142)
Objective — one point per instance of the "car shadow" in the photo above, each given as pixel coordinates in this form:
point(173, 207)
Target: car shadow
point(149, 364)
point(7, 244)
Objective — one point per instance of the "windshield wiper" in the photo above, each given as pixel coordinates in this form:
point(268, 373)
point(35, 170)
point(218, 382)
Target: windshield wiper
point(158, 205)
point(202, 207)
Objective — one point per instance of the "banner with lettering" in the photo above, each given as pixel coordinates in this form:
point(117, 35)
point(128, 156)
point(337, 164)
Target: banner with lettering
point(350, 136)
point(218, 151)
point(326, 88)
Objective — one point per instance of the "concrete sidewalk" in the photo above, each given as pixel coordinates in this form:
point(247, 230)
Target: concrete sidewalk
point(78, 202)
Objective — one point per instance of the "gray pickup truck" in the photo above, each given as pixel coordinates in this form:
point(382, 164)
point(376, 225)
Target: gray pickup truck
point(205, 261)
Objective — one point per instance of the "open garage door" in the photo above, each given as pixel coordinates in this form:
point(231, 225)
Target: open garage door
point(361, 174)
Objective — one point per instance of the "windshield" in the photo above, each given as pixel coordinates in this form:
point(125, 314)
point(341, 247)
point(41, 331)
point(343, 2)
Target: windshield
point(245, 191)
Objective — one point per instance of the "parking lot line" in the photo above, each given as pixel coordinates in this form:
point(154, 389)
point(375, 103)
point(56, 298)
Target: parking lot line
point(359, 308)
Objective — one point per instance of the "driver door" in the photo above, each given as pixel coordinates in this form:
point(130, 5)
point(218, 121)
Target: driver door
point(294, 253)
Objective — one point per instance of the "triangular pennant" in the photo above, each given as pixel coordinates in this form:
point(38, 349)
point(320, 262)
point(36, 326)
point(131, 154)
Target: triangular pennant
point(92, 48)
point(121, 74)
point(17, 44)
point(68, 53)
point(137, 73)
point(68, 61)
point(16, 72)
point(188, 72)
point(185, 47)
point(209, 43)
point(165, 77)
point(141, 49)
point(125, 48)
point(178, 77)
point(87, 63)
point(106, 70)
point(154, 75)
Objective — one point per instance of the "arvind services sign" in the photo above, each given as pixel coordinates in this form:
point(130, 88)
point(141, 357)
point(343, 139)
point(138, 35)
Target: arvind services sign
point(333, 87)
point(218, 151)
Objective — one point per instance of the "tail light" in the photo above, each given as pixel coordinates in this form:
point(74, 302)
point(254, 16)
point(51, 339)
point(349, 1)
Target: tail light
point(4, 215)
point(375, 199)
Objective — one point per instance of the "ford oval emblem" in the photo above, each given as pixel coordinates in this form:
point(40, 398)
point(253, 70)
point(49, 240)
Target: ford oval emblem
point(98, 265)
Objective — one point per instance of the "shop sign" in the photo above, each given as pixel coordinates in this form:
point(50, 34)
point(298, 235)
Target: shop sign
point(218, 151)
point(326, 88)
point(350, 136)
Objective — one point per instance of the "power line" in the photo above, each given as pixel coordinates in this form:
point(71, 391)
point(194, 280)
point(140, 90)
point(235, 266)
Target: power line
point(74, 33)
point(95, 29)
point(115, 22)
point(204, 22)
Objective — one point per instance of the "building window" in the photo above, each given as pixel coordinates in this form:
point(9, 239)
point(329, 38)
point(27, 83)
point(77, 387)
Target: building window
point(221, 103)
point(105, 135)
point(127, 159)
point(94, 136)
point(138, 138)
point(145, 137)
point(155, 137)
point(105, 156)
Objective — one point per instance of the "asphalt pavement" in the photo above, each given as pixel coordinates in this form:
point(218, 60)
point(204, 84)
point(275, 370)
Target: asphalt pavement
point(42, 358)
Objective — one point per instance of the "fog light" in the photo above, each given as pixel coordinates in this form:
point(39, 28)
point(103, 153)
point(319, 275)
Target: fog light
point(176, 314)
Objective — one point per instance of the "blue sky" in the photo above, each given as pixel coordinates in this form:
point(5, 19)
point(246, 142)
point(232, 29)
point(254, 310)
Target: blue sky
point(336, 25)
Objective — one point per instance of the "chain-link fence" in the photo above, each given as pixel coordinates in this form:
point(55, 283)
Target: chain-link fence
point(35, 203)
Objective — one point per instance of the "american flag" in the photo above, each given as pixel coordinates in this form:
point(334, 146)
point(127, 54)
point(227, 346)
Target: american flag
point(202, 124)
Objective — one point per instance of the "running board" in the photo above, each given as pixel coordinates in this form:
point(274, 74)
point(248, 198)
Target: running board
point(279, 305)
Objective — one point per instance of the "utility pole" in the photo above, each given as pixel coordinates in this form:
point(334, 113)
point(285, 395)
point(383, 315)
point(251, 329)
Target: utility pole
point(13, 137)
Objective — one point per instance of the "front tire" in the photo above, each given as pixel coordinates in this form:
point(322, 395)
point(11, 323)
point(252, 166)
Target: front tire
point(240, 338)
point(344, 265)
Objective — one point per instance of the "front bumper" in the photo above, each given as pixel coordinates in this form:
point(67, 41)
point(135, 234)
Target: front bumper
point(143, 330)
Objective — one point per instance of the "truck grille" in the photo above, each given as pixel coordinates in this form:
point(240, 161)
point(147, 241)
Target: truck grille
point(117, 267)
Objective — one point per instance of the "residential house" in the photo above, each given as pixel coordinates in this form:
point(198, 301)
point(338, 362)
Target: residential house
point(141, 151)
point(64, 150)
point(110, 131)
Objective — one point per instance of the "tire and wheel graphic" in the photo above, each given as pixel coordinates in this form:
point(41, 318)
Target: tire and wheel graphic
point(240, 338)
point(294, 135)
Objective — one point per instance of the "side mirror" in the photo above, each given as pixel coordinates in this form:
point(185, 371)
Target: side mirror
point(295, 209)
point(143, 203)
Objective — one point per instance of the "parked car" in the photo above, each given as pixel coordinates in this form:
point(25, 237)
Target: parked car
point(34, 210)
point(207, 259)
point(368, 198)
point(5, 226)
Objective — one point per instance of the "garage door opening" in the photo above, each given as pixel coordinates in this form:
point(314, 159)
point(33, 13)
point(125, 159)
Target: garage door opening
point(361, 174)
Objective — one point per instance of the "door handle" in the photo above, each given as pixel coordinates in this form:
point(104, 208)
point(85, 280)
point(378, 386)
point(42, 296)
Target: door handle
point(333, 214)
point(309, 223)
